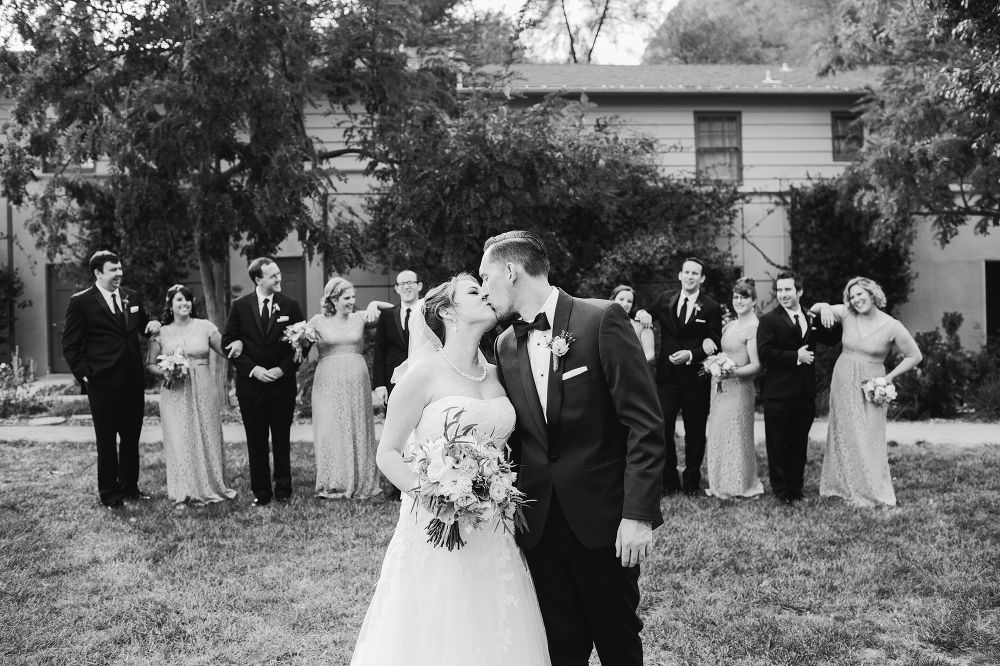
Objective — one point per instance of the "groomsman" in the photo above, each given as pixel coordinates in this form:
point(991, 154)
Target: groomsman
point(392, 334)
point(687, 317)
point(101, 345)
point(265, 377)
point(786, 343)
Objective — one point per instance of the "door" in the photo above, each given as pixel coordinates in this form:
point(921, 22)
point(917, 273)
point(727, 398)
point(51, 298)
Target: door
point(293, 278)
point(59, 285)
point(993, 301)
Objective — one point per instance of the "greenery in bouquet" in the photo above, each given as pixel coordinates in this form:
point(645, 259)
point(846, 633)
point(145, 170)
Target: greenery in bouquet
point(175, 366)
point(300, 336)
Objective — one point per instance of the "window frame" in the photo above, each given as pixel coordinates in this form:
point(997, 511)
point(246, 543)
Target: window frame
point(738, 149)
point(840, 155)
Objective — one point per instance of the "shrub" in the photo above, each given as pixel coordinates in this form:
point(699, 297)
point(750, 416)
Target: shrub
point(15, 378)
point(68, 408)
point(937, 387)
point(984, 398)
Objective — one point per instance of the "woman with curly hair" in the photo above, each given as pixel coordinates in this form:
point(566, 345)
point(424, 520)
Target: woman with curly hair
point(856, 460)
point(190, 409)
point(343, 422)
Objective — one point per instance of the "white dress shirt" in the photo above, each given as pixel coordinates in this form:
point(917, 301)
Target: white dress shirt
point(539, 354)
point(414, 311)
point(260, 302)
point(803, 323)
point(692, 299)
point(109, 297)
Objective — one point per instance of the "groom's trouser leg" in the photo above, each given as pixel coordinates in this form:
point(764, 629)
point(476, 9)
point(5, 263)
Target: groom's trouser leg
point(776, 413)
point(105, 415)
point(801, 422)
point(694, 410)
point(282, 412)
point(786, 427)
point(254, 411)
point(586, 598)
point(133, 404)
point(670, 405)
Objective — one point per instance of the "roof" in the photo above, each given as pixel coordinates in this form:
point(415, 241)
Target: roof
point(688, 78)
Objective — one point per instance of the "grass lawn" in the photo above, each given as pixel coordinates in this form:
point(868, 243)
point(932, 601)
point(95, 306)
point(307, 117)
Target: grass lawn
point(735, 582)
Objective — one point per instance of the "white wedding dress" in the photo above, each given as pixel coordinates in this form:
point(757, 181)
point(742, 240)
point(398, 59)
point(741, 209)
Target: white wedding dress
point(472, 606)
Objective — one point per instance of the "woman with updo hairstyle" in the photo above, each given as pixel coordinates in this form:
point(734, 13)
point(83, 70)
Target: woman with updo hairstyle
point(625, 296)
point(191, 408)
point(856, 459)
point(732, 458)
point(343, 421)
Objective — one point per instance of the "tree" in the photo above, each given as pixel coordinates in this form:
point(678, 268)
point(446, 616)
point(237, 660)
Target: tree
point(742, 32)
point(933, 143)
point(591, 190)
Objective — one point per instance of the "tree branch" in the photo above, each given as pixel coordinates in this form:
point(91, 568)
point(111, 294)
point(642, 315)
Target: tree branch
point(597, 32)
point(569, 31)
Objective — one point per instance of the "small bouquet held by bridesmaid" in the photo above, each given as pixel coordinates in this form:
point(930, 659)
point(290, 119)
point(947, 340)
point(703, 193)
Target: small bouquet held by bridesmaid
point(878, 391)
point(297, 335)
point(466, 480)
point(719, 366)
point(175, 367)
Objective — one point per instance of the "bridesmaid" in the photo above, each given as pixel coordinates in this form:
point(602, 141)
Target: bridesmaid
point(732, 458)
point(343, 421)
point(190, 411)
point(624, 295)
point(856, 460)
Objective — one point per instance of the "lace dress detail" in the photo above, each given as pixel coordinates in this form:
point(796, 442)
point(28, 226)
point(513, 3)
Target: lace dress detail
point(191, 417)
point(856, 459)
point(732, 459)
point(343, 423)
point(475, 605)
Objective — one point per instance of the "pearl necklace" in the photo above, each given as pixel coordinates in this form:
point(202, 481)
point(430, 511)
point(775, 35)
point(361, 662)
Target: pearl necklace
point(469, 377)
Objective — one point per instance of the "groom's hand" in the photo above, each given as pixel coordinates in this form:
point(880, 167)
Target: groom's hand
point(634, 541)
point(262, 375)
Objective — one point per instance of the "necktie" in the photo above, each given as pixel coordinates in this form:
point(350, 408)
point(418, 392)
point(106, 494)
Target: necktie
point(795, 318)
point(406, 322)
point(684, 311)
point(265, 312)
point(541, 323)
point(118, 310)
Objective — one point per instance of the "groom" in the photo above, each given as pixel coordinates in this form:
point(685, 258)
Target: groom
point(265, 377)
point(589, 445)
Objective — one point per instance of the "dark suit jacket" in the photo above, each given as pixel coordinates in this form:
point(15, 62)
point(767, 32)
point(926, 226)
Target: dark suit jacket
point(262, 344)
point(390, 345)
point(778, 342)
point(602, 450)
point(704, 322)
point(96, 344)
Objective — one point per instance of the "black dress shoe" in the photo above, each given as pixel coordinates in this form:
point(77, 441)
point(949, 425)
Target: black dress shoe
point(667, 492)
point(138, 496)
point(115, 505)
point(260, 502)
point(283, 498)
point(692, 492)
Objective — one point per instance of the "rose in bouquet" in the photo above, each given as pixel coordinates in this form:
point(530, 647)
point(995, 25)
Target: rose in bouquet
point(299, 335)
point(465, 479)
point(175, 367)
point(719, 366)
point(878, 391)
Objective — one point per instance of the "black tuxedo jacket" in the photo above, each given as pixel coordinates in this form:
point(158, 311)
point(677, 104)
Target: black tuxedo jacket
point(704, 322)
point(97, 345)
point(778, 342)
point(391, 345)
point(262, 344)
point(602, 449)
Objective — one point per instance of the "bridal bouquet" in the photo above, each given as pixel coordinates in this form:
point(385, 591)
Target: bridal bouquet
point(465, 479)
point(719, 366)
point(297, 335)
point(175, 366)
point(878, 391)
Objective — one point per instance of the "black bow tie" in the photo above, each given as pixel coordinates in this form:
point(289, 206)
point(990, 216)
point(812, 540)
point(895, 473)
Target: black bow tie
point(522, 327)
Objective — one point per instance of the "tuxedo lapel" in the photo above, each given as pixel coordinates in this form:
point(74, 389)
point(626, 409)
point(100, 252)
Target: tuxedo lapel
point(530, 394)
point(275, 311)
point(692, 314)
point(99, 297)
point(397, 314)
point(796, 331)
point(253, 304)
point(553, 404)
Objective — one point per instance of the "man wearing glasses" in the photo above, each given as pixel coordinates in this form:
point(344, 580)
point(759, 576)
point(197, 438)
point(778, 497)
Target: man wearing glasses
point(392, 335)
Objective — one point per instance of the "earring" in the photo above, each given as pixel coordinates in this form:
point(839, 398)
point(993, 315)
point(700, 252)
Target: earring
point(454, 327)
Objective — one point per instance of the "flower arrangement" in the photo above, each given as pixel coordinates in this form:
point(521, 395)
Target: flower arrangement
point(466, 480)
point(878, 391)
point(719, 366)
point(297, 335)
point(559, 345)
point(175, 366)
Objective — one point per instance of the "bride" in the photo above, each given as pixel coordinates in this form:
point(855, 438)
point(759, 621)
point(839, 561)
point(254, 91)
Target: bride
point(432, 606)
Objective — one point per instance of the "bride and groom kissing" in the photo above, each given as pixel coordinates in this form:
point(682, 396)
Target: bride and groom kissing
point(572, 395)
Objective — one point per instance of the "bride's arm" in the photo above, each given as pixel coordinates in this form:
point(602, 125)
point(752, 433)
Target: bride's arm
point(406, 404)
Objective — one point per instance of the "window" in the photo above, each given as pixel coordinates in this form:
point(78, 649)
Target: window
point(847, 136)
point(718, 146)
point(80, 167)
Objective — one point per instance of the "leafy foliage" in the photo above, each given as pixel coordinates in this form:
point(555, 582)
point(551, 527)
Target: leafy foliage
point(592, 191)
point(937, 387)
point(11, 293)
point(934, 145)
point(742, 32)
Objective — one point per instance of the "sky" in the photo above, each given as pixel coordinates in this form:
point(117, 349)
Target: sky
point(624, 46)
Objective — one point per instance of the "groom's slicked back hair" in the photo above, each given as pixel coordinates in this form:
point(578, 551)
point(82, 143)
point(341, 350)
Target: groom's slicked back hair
point(256, 268)
point(519, 247)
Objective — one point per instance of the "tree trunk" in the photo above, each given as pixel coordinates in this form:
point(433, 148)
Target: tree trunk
point(213, 280)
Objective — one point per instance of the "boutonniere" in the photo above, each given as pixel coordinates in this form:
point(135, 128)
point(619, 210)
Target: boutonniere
point(559, 345)
point(125, 301)
point(697, 307)
point(276, 308)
